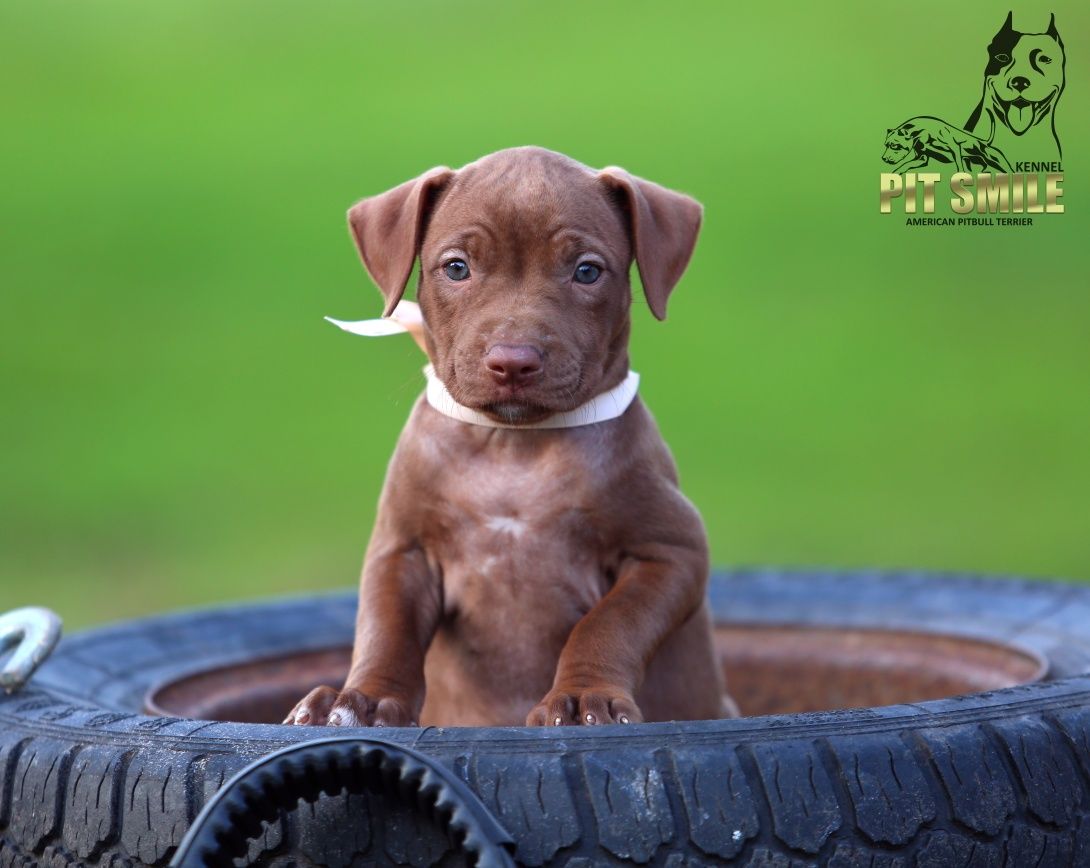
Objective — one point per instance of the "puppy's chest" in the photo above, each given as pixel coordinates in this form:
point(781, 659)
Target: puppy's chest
point(517, 534)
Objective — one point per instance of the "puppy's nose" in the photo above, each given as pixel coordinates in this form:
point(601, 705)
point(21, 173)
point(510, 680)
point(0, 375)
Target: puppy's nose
point(513, 365)
point(1019, 83)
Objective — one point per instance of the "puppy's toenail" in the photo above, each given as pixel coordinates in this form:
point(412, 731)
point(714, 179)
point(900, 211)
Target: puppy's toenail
point(335, 719)
point(302, 717)
point(623, 719)
point(556, 721)
point(590, 718)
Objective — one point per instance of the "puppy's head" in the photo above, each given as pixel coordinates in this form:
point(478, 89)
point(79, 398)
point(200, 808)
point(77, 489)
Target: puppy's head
point(524, 262)
point(1025, 73)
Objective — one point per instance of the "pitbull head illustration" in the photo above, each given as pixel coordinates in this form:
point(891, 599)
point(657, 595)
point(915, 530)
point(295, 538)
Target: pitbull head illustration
point(1022, 83)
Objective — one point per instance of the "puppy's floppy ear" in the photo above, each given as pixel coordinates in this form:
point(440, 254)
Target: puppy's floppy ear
point(664, 226)
point(387, 229)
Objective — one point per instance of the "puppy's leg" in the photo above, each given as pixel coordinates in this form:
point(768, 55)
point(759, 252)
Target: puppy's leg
point(398, 614)
point(604, 659)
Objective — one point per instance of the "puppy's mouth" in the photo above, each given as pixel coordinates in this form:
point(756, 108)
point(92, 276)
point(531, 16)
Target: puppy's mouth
point(519, 401)
point(516, 412)
point(520, 405)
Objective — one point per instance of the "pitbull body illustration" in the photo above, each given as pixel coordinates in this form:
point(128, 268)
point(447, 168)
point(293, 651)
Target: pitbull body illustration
point(1022, 85)
point(919, 141)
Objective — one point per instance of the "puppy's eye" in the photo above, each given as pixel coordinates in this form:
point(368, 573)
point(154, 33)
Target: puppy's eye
point(1003, 58)
point(456, 269)
point(1044, 58)
point(587, 272)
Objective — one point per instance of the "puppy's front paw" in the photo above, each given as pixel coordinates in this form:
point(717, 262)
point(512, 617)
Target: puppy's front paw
point(586, 707)
point(324, 706)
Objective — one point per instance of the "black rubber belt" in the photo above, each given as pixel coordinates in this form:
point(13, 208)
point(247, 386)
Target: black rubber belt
point(277, 782)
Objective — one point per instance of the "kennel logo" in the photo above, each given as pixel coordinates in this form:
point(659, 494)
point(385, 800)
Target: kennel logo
point(1005, 162)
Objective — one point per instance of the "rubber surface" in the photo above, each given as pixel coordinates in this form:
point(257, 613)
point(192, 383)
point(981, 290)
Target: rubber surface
point(993, 779)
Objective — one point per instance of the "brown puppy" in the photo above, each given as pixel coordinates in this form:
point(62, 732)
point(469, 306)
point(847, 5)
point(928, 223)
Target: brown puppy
point(545, 576)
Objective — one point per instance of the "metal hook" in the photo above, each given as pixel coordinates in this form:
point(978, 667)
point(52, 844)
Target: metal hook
point(33, 632)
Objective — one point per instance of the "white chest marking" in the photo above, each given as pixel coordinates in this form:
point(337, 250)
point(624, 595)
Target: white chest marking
point(506, 524)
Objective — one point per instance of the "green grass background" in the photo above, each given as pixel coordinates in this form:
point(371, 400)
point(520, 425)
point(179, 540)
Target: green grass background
point(180, 427)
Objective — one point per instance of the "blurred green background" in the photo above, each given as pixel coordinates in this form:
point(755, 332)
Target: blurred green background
point(181, 427)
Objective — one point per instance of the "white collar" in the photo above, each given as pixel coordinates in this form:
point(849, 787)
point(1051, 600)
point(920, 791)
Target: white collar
point(608, 405)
